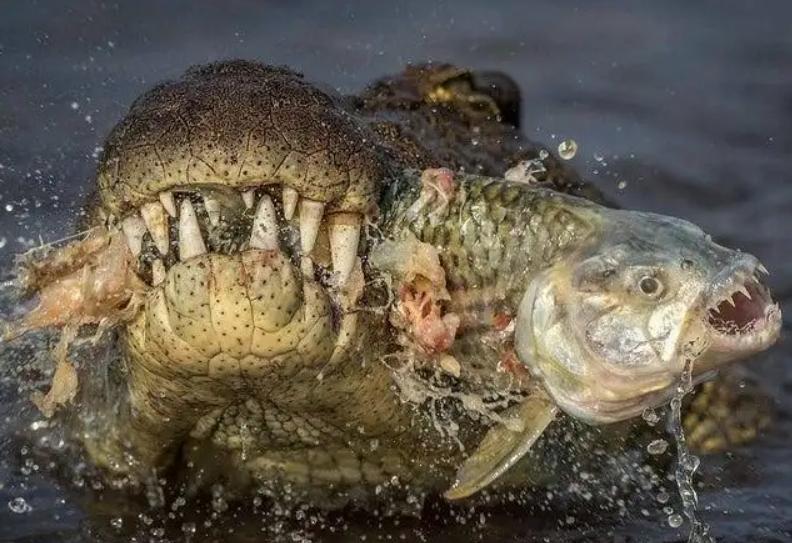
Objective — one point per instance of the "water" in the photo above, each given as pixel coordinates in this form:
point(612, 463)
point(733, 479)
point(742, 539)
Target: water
point(686, 104)
point(686, 465)
point(567, 149)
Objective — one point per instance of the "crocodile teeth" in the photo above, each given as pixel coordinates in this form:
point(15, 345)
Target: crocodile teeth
point(190, 241)
point(344, 238)
point(157, 272)
point(167, 201)
point(134, 229)
point(212, 208)
point(249, 197)
point(311, 213)
point(264, 234)
point(290, 198)
point(307, 266)
point(154, 215)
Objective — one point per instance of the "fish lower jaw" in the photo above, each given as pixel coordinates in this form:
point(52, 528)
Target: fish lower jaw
point(760, 335)
point(740, 314)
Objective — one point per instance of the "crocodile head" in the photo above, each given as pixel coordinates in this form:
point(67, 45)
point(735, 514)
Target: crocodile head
point(228, 238)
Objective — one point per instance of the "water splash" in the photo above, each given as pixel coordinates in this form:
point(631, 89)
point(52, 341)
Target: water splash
point(567, 149)
point(687, 464)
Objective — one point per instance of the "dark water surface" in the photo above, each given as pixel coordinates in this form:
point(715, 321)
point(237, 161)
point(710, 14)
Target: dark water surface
point(689, 104)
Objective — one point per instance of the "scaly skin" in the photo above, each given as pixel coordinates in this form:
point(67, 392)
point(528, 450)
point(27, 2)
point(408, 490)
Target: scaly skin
point(196, 371)
point(250, 364)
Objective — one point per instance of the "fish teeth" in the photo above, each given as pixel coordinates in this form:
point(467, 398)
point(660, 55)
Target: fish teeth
point(264, 233)
point(212, 207)
point(134, 229)
point(744, 291)
point(290, 198)
point(311, 213)
point(167, 201)
point(762, 269)
point(191, 242)
point(344, 238)
point(249, 197)
point(158, 272)
point(156, 219)
point(730, 299)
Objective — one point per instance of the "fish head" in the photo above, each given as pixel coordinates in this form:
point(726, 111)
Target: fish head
point(609, 329)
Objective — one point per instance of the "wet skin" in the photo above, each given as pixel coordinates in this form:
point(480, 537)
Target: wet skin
point(300, 272)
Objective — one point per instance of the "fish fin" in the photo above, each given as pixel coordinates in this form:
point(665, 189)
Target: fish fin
point(503, 445)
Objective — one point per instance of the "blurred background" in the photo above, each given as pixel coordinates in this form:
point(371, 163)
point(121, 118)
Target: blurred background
point(678, 107)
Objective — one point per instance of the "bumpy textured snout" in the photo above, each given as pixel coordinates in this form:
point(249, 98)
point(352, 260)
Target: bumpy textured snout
point(237, 317)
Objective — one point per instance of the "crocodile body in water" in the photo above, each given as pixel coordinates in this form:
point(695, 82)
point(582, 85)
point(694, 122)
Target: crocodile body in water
point(339, 297)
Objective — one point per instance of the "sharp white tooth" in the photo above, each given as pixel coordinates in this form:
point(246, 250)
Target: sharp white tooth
point(190, 241)
point(212, 208)
point(249, 197)
point(134, 229)
point(762, 269)
point(344, 238)
point(311, 213)
point(157, 272)
point(744, 291)
point(290, 198)
point(730, 300)
point(156, 219)
point(307, 266)
point(166, 198)
point(264, 234)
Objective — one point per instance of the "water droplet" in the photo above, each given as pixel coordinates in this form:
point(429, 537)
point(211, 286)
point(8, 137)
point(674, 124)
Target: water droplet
point(543, 154)
point(19, 506)
point(650, 416)
point(188, 528)
point(658, 446)
point(567, 149)
point(675, 520)
point(663, 497)
point(692, 463)
point(117, 523)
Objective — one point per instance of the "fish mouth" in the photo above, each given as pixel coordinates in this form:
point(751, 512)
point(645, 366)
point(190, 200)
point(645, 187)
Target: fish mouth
point(740, 314)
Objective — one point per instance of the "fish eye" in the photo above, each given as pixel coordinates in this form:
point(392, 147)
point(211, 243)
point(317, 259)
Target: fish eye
point(650, 286)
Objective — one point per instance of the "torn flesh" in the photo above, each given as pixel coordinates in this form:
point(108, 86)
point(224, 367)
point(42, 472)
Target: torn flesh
point(420, 283)
point(85, 282)
point(88, 281)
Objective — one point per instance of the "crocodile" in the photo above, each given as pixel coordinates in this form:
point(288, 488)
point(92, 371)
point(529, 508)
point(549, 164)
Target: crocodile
point(340, 297)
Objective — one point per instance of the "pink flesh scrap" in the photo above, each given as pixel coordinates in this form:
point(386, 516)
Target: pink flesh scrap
point(85, 282)
point(97, 283)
